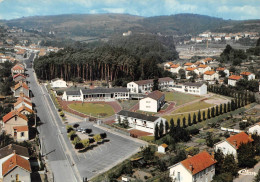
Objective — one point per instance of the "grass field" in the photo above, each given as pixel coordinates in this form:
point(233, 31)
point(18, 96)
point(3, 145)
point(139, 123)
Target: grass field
point(180, 98)
point(93, 109)
point(193, 107)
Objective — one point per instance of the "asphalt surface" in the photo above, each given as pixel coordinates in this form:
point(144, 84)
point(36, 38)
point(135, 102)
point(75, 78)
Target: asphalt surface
point(67, 164)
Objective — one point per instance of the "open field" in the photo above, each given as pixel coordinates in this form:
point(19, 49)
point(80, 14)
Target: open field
point(193, 107)
point(93, 109)
point(180, 98)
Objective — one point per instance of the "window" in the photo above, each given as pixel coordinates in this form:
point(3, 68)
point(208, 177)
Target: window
point(179, 176)
point(22, 134)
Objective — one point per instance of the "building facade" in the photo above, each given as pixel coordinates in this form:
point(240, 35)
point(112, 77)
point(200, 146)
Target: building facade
point(153, 102)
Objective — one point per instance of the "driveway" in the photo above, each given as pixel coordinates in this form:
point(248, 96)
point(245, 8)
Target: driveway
point(247, 178)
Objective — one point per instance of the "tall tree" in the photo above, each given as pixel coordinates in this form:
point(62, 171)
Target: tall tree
point(172, 128)
point(156, 132)
point(178, 122)
point(217, 110)
point(225, 108)
point(221, 109)
point(189, 120)
point(199, 116)
point(204, 115)
point(229, 107)
point(213, 112)
point(155, 84)
point(194, 121)
point(184, 122)
point(208, 116)
point(166, 127)
point(161, 129)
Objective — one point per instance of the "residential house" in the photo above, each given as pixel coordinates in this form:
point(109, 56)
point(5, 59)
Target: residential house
point(207, 60)
point(15, 123)
point(58, 83)
point(20, 54)
point(143, 86)
point(210, 76)
point(203, 68)
point(19, 78)
point(189, 65)
point(191, 70)
point(16, 168)
point(162, 148)
point(196, 88)
point(9, 151)
point(152, 102)
point(175, 68)
point(18, 68)
point(74, 95)
point(167, 66)
point(25, 110)
point(255, 129)
point(222, 69)
point(23, 97)
point(232, 80)
point(248, 75)
point(200, 167)
point(22, 102)
point(217, 38)
point(227, 37)
point(231, 144)
point(139, 121)
point(199, 40)
point(21, 87)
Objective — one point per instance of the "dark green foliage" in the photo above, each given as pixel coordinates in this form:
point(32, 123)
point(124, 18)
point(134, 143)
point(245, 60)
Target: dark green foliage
point(213, 112)
point(161, 129)
point(189, 120)
point(244, 84)
point(217, 110)
point(232, 55)
point(194, 120)
point(172, 128)
point(79, 145)
point(181, 155)
point(178, 122)
point(209, 116)
point(221, 109)
point(245, 155)
point(184, 122)
point(257, 177)
point(155, 84)
point(166, 129)
point(204, 115)
point(199, 116)
point(229, 164)
point(156, 132)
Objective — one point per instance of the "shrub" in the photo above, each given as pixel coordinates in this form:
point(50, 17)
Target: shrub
point(79, 145)
point(103, 135)
point(62, 114)
point(76, 140)
point(71, 133)
point(69, 128)
point(76, 125)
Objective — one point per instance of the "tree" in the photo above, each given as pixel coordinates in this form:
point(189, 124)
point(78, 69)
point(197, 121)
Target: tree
point(97, 138)
point(199, 116)
point(172, 128)
point(213, 112)
point(182, 73)
point(204, 115)
point(194, 121)
point(189, 120)
point(219, 156)
point(209, 139)
point(217, 110)
point(230, 165)
point(156, 132)
point(221, 109)
point(232, 105)
point(229, 107)
point(161, 129)
point(258, 42)
point(208, 114)
point(155, 84)
point(246, 155)
point(166, 127)
point(125, 123)
point(178, 123)
point(225, 108)
point(119, 120)
point(257, 177)
point(184, 122)
point(85, 142)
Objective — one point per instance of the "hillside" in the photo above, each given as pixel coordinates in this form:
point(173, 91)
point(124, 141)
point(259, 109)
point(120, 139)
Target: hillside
point(106, 25)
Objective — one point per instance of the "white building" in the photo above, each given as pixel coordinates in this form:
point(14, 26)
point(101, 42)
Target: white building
point(226, 71)
point(167, 66)
point(248, 75)
point(203, 68)
point(58, 83)
point(162, 148)
point(175, 68)
point(200, 167)
point(231, 144)
point(232, 80)
point(190, 70)
point(210, 76)
point(189, 65)
point(196, 88)
point(153, 102)
point(140, 121)
point(97, 94)
point(255, 129)
point(143, 86)
point(217, 38)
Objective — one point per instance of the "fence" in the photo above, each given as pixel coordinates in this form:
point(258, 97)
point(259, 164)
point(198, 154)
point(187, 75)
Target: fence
point(230, 130)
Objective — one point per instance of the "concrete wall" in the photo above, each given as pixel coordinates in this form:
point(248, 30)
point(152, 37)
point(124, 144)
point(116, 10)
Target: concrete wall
point(23, 175)
point(59, 84)
point(180, 174)
point(226, 148)
point(148, 104)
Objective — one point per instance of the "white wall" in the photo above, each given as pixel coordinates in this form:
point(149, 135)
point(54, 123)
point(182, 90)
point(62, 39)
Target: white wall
point(226, 148)
point(148, 104)
point(232, 82)
point(59, 84)
point(254, 129)
point(133, 87)
point(161, 149)
point(184, 174)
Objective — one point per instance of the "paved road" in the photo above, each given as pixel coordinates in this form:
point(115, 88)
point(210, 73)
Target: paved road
point(65, 163)
point(52, 146)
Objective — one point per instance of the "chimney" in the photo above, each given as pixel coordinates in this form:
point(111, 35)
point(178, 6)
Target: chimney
point(235, 142)
point(191, 167)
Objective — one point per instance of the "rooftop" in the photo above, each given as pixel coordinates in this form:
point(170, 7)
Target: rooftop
point(193, 84)
point(143, 82)
point(156, 95)
point(238, 139)
point(137, 115)
point(245, 73)
point(234, 77)
point(9, 149)
point(209, 72)
point(21, 128)
point(104, 90)
point(12, 114)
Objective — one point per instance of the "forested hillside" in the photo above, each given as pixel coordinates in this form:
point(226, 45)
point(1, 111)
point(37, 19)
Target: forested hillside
point(106, 25)
point(125, 62)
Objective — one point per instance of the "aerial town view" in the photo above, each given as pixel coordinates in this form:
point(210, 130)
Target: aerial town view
point(129, 91)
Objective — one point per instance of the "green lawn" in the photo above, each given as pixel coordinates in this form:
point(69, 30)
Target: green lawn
point(93, 109)
point(193, 107)
point(180, 98)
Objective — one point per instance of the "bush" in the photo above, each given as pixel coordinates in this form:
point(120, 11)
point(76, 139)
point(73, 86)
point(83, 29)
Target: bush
point(76, 140)
point(103, 135)
point(71, 133)
point(79, 145)
point(62, 114)
point(76, 125)
point(69, 128)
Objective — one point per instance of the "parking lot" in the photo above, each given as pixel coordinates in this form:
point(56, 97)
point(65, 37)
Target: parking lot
point(106, 155)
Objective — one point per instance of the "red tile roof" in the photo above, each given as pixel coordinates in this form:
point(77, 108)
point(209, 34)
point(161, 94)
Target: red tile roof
point(156, 95)
point(198, 162)
point(209, 72)
point(17, 67)
point(202, 66)
point(238, 139)
point(21, 128)
point(13, 162)
point(164, 145)
point(208, 59)
point(143, 82)
point(190, 69)
point(18, 75)
point(12, 114)
point(188, 64)
point(22, 100)
point(234, 77)
point(175, 66)
point(170, 63)
point(18, 85)
point(221, 69)
point(22, 108)
point(245, 73)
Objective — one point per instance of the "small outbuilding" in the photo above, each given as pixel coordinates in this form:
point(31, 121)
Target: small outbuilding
point(162, 148)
